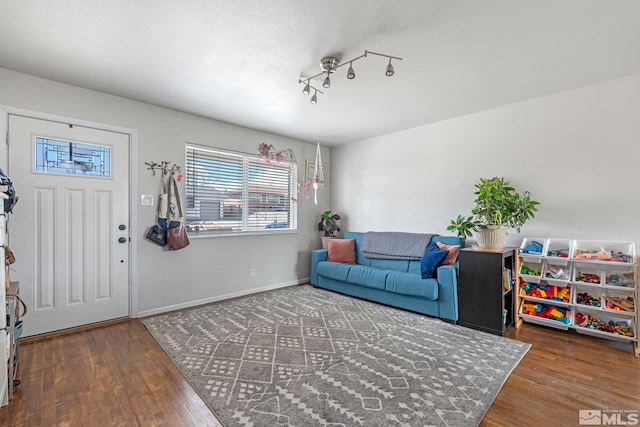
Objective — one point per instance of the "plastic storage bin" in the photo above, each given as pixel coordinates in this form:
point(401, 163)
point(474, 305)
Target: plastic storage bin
point(547, 293)
point(532, 249)
point(604, 325)
point(558, 251)
point(587, 274)
point(556, 274)
point(549, 315)
point(622, 302)
point(531, 271)
point(587, 296)
point(620, 277)
point(604, 251)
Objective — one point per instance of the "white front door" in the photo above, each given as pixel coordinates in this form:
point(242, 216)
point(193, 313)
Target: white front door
point(70, 228)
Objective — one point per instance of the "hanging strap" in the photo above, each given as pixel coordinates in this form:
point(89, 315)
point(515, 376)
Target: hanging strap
point(163, 190)
point(19, 303)
point(173, 189)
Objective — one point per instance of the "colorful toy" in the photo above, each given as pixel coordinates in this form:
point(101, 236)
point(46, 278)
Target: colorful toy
point(546, 311)
point(557, 272)
point(620, 279)
point(620, 257)
point(589, 321)
point(525, 269)
point(534, 248)
point(587, 277)
point(541, 290)
point(585, 298)
point(619, 304)
point(560, 253)
point(592, 254)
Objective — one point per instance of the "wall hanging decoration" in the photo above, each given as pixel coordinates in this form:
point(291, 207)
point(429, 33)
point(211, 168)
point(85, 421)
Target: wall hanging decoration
point(314, 175)
point(270, 154)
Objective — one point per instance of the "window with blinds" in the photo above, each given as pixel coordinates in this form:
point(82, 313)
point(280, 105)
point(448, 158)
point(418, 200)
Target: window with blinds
point(234, 193)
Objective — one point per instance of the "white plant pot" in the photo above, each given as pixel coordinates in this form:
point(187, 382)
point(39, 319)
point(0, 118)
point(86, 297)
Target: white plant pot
point(491, 237)
point(324, 241)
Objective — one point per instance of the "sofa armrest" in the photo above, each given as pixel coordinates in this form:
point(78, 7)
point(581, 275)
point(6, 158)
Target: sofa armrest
point(447, 276)
point(317, 255)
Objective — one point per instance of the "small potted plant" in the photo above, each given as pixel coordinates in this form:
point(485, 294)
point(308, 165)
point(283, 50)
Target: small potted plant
point(498, 207)
point(328, 226)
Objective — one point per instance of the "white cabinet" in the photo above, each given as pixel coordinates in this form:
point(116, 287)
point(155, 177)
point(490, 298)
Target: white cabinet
point(588, 286)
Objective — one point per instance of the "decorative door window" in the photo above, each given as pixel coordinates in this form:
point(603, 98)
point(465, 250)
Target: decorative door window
point(72, 158)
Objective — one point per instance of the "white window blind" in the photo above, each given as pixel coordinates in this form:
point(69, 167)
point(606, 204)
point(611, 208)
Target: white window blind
point(234, 193)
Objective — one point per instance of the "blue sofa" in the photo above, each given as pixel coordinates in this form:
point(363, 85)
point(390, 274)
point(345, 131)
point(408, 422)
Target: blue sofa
point(393, 282)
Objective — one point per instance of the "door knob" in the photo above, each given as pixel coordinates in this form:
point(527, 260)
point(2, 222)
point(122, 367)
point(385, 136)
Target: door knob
point(122, 240)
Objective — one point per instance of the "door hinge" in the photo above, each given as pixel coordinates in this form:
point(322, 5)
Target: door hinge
point(7, 137)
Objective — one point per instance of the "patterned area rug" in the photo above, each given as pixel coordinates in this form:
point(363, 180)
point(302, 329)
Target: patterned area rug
point(307, 357)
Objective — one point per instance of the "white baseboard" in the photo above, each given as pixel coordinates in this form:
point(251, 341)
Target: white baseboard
point(195, 303)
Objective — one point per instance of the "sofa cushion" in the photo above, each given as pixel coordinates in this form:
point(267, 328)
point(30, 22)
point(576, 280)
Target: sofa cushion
point(360, 258)
point(334, 270)
point(414, 267)
point(412, 284)
point(390, 264)
point(367, 276)
point(431, 260)
point(453, 250)
point(341, 250)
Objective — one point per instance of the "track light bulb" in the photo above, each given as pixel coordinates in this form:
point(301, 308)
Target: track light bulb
point(327, 82)
point(350, 73)
point(314, 98)
point(390, 69)
point(307, 89)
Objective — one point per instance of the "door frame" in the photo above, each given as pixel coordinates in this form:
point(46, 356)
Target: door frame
point(5, 111)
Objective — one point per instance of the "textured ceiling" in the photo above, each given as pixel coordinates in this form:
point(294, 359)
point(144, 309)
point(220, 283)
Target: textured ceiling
point(240, 61)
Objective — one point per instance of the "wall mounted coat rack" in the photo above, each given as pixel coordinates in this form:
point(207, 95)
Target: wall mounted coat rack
point(164, 167)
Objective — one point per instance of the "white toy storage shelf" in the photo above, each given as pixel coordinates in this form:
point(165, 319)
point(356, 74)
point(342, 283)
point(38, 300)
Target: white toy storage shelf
point(589, 286)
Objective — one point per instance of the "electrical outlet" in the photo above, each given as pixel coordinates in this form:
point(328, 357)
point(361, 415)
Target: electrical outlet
point(146, 200)
point(253, 272)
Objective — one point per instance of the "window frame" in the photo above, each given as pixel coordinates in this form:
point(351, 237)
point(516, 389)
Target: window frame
point(248, 163)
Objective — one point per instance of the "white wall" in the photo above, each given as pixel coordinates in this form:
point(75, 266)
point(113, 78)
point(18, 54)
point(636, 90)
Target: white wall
point(210, 268)
point(577, 152)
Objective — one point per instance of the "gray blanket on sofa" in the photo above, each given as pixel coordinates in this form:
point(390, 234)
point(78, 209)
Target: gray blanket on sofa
point(395, 245)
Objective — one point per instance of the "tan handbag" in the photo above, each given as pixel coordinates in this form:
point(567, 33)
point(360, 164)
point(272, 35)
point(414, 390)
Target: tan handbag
point(19, 304)
point(9, 258)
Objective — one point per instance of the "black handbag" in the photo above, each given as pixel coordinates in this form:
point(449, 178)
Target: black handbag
point(157, 235)
point(7, 187)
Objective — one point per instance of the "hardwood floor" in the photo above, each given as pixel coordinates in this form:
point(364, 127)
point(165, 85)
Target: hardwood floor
point(118, 376)
point(109, 376)
point(562, 373)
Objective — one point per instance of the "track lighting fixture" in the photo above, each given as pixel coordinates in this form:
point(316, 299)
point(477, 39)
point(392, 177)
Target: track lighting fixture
point(350, 73)
point(329, 65)
point(327, 82)
point(390, 71)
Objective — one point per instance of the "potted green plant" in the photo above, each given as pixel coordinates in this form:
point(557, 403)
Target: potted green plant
point(498, 207)
point(328, 226)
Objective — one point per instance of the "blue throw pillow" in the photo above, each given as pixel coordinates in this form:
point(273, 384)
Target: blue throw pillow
point(431, 260)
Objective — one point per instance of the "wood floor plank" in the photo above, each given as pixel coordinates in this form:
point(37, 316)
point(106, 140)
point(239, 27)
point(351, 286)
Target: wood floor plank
point(117, 375)
point(562, 373)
